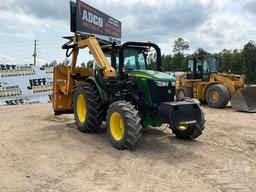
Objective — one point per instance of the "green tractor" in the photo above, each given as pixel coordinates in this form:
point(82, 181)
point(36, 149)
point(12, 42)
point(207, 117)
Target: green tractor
point(135, 97)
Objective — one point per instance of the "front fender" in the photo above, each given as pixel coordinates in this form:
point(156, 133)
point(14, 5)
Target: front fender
point(229, 84)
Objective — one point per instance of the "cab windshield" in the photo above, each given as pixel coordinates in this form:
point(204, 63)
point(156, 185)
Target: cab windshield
point(210, 65)
point(134, 59)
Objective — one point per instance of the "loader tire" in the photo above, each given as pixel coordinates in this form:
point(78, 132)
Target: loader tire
point(88, 108)
point(188, 132)
point(217, 96)
point(123, 125)
point(184, 91)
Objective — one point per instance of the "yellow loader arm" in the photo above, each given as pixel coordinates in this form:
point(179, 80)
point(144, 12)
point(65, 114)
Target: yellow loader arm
point(231, 82)
point(95, 49)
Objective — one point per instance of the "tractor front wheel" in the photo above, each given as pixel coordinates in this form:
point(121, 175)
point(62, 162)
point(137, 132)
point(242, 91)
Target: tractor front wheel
point(188, 132)
point(123, 125)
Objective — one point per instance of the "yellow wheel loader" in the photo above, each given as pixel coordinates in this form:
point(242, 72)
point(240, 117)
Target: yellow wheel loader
point(122, 91)
point(203, 82)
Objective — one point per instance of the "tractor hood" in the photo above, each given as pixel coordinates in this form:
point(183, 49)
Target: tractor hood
point(151, 75)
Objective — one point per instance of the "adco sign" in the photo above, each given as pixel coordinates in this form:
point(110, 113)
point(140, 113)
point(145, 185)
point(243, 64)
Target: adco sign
point(88, 20)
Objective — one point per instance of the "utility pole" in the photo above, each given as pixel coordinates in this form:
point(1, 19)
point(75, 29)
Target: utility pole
point(35, 52)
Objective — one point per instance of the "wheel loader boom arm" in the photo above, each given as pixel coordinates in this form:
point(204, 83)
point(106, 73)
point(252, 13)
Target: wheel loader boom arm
point(230, 85)
point(229, 82)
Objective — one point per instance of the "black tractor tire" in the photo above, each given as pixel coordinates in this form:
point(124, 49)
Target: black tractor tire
point(184, 91)
point(126, 116)
point(217, 96)
point(95, 111)
point(190, 133)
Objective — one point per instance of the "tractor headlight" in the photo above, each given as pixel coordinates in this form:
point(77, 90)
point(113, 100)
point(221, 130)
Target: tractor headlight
point(173, 84)
point(161, 83)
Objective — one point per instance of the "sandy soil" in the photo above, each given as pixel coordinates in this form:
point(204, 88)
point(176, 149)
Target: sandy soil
point(40, 152)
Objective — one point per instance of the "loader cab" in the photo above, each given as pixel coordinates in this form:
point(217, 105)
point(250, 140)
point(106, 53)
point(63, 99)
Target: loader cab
point(201, 67)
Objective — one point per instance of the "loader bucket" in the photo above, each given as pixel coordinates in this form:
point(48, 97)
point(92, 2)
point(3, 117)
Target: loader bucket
point(245, 99)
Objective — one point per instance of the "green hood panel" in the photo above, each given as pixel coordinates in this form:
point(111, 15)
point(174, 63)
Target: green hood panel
point(151, 75)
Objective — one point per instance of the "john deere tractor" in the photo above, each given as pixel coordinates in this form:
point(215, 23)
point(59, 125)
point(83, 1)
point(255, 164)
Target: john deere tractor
point(124, 93)
point(120, 90)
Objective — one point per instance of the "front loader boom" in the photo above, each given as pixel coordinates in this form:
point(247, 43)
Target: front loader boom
point(63, 76)
point(101, 61)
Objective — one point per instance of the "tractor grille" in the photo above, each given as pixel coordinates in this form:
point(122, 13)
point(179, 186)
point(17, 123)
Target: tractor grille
point(161, 94)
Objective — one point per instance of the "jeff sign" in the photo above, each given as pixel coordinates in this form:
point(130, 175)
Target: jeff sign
point(89, 20)
point(25, 84)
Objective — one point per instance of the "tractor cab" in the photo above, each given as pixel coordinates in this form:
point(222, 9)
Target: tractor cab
point(125, 58)
point(200, 67)
point(130, 62)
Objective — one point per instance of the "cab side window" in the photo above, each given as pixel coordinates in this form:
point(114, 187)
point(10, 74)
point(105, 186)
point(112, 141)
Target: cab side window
point(129, 62)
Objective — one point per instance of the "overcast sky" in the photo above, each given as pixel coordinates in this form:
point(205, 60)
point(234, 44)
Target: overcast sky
point(210, 24)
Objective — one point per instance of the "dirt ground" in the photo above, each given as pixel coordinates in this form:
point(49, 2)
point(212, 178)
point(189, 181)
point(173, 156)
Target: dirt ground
point(40, 152)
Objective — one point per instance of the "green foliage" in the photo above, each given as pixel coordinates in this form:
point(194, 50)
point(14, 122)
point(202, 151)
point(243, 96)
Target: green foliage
point(83, 64)
point(64, 63)
point(249, 60)
point(90, 64)
point(54, 63)
point(180, 45)
point(152, 61)
point(200, 52)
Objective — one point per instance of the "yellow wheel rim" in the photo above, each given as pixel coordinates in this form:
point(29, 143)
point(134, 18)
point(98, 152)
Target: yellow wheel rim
point(117, 126)
point(81, 108)
point(214, 96)
point(181, 94)
point(182, 127)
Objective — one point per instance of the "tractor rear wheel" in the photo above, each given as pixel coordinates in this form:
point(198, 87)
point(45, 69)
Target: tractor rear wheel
point(188, 132)
point(123, 125)
point(217, 96)
point(184, 91)
point(88, 108)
